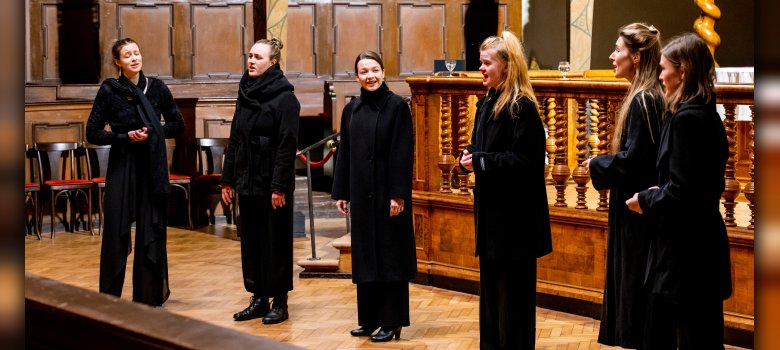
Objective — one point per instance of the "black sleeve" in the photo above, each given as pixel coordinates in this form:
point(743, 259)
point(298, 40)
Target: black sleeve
point(228, 165)
point(401, 154)
point(341, 173)
point(284, 163)
point(96, 124)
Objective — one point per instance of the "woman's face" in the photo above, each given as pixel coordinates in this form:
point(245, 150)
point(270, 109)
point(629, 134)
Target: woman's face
point(370, 74)
point(493, 70)
point(129, 60)
point(623, 61)
point(259, 60)
point(671, 76)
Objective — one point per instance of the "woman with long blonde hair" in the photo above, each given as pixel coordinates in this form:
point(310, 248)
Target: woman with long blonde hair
point(630, 167)
point(512, 225)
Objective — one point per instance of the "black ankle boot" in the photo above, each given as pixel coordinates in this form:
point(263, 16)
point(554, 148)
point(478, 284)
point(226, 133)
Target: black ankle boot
point(386, 334)
point(258, 307)
point(278, 313)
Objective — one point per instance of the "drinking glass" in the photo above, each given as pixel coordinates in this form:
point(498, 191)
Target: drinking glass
point(564, 67)
point(450, 64)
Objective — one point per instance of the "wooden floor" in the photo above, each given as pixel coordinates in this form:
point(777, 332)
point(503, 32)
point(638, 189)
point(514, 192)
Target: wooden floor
point(206, 284)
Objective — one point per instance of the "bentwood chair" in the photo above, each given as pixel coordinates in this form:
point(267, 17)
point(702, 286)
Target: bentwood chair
point(97, 156)
point(60, 176)
point(211, 152)
point(31, 192)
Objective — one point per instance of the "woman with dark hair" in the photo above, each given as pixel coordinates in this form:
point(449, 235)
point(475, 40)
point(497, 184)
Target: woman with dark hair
point(137, 184)
point(373, 182)
point(260, 167)
point(689, 270)
point(630, 167)
point(512, 220)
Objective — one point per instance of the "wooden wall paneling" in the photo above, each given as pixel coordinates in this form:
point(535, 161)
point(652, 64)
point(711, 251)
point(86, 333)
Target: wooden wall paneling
point(356, 27)
point(301, 41)
point(54, 113)
point(109, 28)
point(34, 42)
point(421, 37)
point(213, 117)
point(182, 41)
point(152, 27)
point(218, 41)
point(324, 37)
point(50, 43)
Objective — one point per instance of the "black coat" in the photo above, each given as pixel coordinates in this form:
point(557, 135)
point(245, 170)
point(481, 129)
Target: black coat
point(373, 165)
point(690, 256)
point(511, 216)
point(260, 157)
point(630, 170)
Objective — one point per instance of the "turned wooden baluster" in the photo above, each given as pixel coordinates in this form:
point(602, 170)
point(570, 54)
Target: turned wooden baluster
point(751, 185)
point(580, 174)
point(549, 108)
point(560, 171)
point(732, 185)
point(463, 141)
point(600, 129)
point(447, 161)
point(704, 26)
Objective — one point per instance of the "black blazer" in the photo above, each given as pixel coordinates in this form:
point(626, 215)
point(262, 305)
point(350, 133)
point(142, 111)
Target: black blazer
point(689, 258)
point(511, 216)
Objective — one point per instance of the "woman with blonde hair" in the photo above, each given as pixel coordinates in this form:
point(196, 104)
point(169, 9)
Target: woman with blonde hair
point(507, 156)
point(689, 272)
point(630, 167)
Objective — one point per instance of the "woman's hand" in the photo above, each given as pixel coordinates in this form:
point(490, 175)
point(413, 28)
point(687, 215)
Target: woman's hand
point(227, 194)
point(138, 135)
point(465, 161)
point(633, 203)
point(277, 199)
point(396, 206)
point(341, 205)
point(586, 163)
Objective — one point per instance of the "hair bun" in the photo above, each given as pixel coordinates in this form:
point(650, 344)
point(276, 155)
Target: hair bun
point(652, 29)
point(276, 42)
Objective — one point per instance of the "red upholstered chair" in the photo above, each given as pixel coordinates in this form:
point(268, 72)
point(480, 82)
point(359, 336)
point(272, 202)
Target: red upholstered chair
point(211, 154)
point(98, 166)
point(63, 179)
point(31, 192)
point(182, 182)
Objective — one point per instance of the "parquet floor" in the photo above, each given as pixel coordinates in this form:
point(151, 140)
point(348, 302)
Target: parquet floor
point(206, 284)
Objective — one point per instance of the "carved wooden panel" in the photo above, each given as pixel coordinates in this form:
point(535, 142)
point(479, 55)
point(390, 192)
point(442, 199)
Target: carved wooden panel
point(301, 30)
point(152, 28)
point(357, 27)
point(218, 50)
point(50, 42)
point(421, 31)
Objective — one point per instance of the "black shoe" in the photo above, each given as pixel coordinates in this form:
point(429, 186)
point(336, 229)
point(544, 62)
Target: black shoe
point(278, 313)
point(386, 334)
point(363, 331)
point(258, 307)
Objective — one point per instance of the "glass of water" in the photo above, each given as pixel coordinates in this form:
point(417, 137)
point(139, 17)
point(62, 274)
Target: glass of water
point(450, 64)
point(564, 67)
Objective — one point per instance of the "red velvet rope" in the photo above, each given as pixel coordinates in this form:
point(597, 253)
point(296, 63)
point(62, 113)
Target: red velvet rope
point(318, 164)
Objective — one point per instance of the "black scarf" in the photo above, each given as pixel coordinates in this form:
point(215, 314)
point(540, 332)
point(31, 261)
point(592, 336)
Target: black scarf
point(158, 158)
point(376, 98)
point(252, 91)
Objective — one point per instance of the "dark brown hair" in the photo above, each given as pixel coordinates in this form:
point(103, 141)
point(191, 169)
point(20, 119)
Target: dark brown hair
point(369, 55)
point(690, 54)
point(119, 44)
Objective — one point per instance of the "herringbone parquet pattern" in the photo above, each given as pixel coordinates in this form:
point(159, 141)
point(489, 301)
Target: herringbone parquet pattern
point(206, 284)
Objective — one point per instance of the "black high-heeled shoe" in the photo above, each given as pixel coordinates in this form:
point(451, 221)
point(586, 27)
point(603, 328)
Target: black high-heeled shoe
point(386, 334)
point(363, 331)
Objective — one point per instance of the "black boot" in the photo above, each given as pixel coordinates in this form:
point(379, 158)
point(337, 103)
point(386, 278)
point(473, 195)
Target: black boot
point(278, 312)
point(258, 307)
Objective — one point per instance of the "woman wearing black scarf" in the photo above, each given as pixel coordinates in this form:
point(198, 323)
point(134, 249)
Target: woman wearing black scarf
point(374, 176)
point(260, 167)
point(137, 177)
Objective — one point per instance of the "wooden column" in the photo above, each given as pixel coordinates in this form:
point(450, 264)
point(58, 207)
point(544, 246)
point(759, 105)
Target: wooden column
point(751, 185)
point(580, 174)
point(603, 144)
point(704, 26)
point(463, 140)
point(446, 161)
point(560, 171)
point(549, 108)
point(732, 184)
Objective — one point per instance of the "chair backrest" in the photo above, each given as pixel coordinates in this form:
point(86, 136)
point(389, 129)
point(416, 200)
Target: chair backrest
point(216, 128)
point(51, 133)
point(211, 152)
point(50, 157)
point(97, 156)
point(30, 157)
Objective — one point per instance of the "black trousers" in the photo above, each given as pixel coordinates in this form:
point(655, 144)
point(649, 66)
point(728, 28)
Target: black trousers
point(693, 324)
point(266, 246)
point(383, 304)
point(507, 304)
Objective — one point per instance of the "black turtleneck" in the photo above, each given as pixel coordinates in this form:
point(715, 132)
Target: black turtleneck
point(376, 98)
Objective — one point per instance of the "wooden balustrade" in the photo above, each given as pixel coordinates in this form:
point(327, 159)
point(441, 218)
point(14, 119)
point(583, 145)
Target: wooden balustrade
point(579, 117)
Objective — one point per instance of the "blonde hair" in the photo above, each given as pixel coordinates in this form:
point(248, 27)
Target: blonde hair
point(690, 54)
point(276, 48)
point(643, 40)
point(516, 83)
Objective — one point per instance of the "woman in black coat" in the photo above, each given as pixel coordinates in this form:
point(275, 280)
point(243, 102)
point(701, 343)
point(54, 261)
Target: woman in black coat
point(374, 175)
point(690, 270)
point(137, 184)
point(512, 221)
point(260, 167)
point(630, 167)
